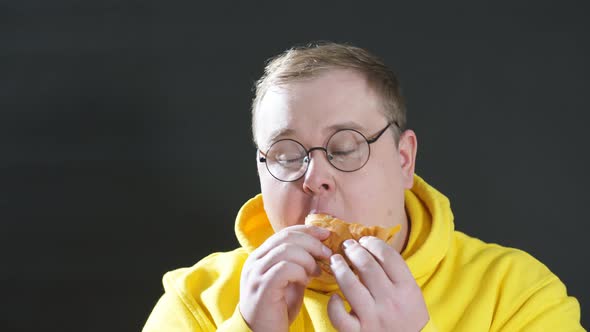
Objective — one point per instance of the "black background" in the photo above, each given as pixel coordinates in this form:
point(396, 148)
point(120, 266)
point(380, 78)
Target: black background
point(125, 144)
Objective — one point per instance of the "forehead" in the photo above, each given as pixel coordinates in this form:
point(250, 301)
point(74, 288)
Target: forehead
point(310, 110)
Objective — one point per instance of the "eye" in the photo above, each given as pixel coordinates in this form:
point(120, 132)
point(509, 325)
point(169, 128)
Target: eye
point(344, 148)
point(342, 153)
point(286, 160)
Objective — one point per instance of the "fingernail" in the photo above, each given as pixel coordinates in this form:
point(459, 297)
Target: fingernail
point(363, 239)
point(347, 243)
point(336, 259)
point(322, 231)
point(326, 251)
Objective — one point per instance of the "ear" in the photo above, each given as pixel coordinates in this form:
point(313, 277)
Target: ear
point(258, 163)
point(407, 148)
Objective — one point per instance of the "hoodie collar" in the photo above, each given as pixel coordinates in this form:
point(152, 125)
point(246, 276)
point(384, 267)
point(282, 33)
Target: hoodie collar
point(431, 219)
point(429, 215)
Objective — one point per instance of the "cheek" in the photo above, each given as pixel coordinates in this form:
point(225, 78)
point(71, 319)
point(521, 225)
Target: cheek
point(382, 173)
point(379, 192)
point(282, 202)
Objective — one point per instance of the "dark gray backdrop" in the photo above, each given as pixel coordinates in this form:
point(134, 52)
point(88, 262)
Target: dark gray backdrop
point(125, 144)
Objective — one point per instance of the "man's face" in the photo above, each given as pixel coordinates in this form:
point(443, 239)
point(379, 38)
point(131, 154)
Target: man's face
point(310, 111)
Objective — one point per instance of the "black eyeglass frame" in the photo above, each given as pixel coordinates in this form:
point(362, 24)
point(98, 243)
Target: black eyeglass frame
point(262, 158)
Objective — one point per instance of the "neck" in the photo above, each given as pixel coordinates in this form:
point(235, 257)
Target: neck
point(401, 240)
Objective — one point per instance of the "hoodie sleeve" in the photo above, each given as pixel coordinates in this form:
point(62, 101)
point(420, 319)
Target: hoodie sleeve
point(429, 327)
point(203, 297)
point(546, 308)
point(538, 300)
point(171, 314)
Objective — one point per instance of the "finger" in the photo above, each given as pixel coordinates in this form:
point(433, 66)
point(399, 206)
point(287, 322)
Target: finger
point(355, 292)
point(283, 273)
point(340, 318)
point(309, 237)
point(291, 253)
point(390, 260)
point(368, 269)
point(315, 231)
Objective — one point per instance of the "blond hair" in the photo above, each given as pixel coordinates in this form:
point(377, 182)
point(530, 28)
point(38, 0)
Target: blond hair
point(313, 59)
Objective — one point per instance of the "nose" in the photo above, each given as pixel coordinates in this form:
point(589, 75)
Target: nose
point(319, 179)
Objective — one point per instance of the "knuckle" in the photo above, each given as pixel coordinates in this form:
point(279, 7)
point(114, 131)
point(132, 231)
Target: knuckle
point(363, 262)
point(276, 270)
point(282, 236)
point(310, 265)
point(350, 282)
point(392, 305)
point(318, 248)
point(282, 265)
point(255, 285)
point(255, 271)
point(281, 249)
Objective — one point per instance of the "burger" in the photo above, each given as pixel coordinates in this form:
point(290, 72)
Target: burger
point(341, 231)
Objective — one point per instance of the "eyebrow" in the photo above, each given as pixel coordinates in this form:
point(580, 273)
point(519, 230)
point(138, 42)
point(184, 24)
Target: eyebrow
point(281, 132)
point(346, 125)
point(284, 131)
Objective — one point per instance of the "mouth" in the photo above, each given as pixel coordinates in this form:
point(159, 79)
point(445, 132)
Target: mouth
point(320, 205)
point(319, 211)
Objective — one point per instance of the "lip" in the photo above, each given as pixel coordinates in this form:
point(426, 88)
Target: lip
point(318, 211)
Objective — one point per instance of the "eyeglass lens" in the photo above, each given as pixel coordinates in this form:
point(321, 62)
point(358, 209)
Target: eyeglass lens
point(347, 150)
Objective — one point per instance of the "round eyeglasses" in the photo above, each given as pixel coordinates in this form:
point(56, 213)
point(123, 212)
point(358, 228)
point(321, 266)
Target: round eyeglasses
point(347, 150)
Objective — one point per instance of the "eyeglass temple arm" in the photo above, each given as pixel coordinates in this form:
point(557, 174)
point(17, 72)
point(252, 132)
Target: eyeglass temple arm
point(261, 159)
point(374, 139)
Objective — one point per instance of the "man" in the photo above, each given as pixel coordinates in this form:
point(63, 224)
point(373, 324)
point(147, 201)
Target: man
point(329, 124)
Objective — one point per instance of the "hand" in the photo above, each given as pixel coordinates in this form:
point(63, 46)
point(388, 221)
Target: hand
point(275, 275)
point(385, 297)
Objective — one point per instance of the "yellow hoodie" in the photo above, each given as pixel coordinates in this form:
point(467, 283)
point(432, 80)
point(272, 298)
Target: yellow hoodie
point(468, 285)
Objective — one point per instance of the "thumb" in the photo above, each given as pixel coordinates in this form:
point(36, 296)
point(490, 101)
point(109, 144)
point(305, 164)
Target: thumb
point(340, 318)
